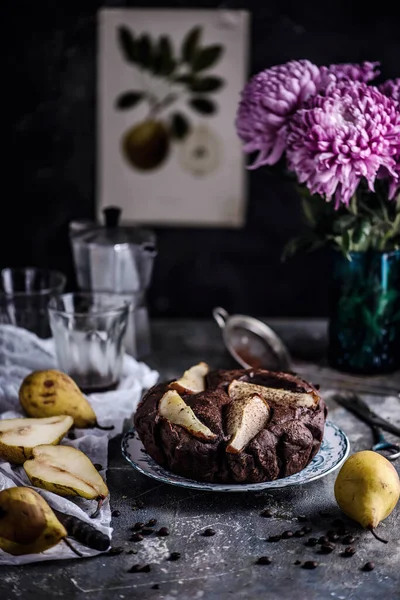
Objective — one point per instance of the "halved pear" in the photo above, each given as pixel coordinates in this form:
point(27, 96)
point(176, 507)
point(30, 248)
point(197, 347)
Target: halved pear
point(274, 395)
point(173, 408)
point(247, 415)
point(193, 380)
point(66, 471)
point(18, 437)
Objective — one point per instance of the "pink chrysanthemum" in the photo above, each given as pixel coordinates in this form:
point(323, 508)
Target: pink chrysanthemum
point(391, 88)
point(349, 134)
point(268, 102)
point(363, 72)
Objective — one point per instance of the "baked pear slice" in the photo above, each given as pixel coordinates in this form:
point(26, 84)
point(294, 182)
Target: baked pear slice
point(173, 408)
point(192, 381)
point(274, 395)
point(18, 437)
point(247, 415)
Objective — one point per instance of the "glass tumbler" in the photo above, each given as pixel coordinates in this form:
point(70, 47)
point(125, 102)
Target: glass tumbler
point(89, 331)
point(24, 297)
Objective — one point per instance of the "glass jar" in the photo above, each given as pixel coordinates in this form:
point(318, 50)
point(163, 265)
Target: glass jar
point(364, 325)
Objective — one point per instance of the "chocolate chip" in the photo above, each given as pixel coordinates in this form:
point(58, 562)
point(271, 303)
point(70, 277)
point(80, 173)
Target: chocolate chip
point(323, 540)
point(131, 551)
point(307, 529)
point(174, 556)
point(98, 467)
point(302, 519)
point(115, 550)
point(299, 533)
point(137, 526)
point(297, 562)
point(71, 435)
point(266, 513)
point(208, 532)
point(348, 539)
point(152, 522)
point(147, 530)
point(317, 386)
point(274, 538)
point(369, 566)
point(287, 534)
point(327, 548)
point(312, 541)
point(156, 586)
point(310, 564)
point(140, 569)
point(137, 537)
point(264, 560)
point(342, 531)
point(350, 551)
point(163, 532)
point(333, 537)
point(139, 503)
point(115, 513)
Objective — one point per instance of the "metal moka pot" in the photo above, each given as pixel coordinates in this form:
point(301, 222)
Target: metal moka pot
point(113, 258)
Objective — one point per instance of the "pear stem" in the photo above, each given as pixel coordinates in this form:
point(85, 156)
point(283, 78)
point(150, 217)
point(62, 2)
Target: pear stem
point(104, 428)
point(377, 536)
point(100, 501)
point(71, 547)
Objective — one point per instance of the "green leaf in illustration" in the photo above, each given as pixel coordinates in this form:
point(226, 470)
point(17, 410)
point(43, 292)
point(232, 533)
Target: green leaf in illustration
point(144, 51)
point(190, 44)
point(206, 58)
point(203, 106)
point(128, 99)
point(185, 79)
point(127, 44)
point(179, 126)
point(163, 61)
point(206, 84)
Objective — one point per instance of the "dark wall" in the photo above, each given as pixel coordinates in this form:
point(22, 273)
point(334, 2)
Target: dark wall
point(48, 88)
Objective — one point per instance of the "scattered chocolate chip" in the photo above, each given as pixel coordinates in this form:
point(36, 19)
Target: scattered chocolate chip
point(287, 534)
point(137, 537)
point(71, 435)
point(266, 513)
point(325, 514)
point(369, 566)
point(274, 538)
point(299, 533)
point(333, 537)
point(115, 513)
point(155, 586)
point(342, 531)
point(302, 519)
point(310, 564)
point(312, 541)
point(139, 503)
point(348, 539)
point(307, 530)
point(297, 562)
point(208, 532)
point(140, 569)
point(163, 532)
point(131, 551)
point(115, 550)
point(152, 522)
point(317, 386)
point(98, 467)
point(147, 530)
point(174, 556)
point(264, 560)
point(350, 551)
point(137, 526)
point(323, 540)
point(327, 548)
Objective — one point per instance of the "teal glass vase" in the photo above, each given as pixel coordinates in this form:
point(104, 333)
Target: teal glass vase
point(364, 324)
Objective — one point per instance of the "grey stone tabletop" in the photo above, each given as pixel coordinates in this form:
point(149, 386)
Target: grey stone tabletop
point(224, 565)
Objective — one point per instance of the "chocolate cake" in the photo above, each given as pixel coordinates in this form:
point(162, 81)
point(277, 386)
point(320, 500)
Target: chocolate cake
point(240, 426)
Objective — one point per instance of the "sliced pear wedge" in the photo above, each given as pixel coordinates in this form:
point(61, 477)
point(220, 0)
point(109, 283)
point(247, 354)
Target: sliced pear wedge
point(193, 380)
point(66, 471)
point(173, 408)
point(274, 395)
point(247, 415)
point(18, 437)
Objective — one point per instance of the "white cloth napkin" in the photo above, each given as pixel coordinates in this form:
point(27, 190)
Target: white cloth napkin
point(22, 352)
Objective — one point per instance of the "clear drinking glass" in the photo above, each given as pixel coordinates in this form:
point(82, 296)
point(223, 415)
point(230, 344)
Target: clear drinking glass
point(24, 297)
point(89, 332)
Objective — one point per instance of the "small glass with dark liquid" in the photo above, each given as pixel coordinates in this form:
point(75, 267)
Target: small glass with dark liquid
point(89, 333)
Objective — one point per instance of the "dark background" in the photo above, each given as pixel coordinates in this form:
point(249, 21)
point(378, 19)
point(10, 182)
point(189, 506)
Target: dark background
point(49, 140)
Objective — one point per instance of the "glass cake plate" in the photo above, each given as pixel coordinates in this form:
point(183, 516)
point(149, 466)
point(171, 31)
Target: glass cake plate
point(332, 454)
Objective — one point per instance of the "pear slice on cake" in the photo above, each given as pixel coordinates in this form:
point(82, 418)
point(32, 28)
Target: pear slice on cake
point(66, 471)
point(247, 415)
point(173, 408)
point(193, 380)
point(18, 437)
point(274, 395)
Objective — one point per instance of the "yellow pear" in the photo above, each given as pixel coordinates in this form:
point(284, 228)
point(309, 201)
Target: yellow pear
point(173, 408)
point(66, 471)
point(367, 489)
point(192, 381)
point(18, 437)
point(52, 393)
point(27, 523)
